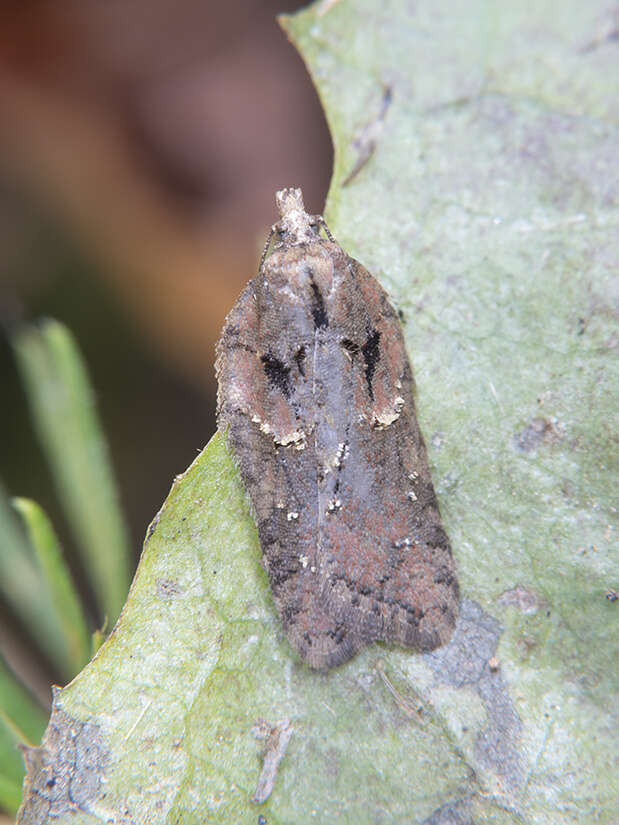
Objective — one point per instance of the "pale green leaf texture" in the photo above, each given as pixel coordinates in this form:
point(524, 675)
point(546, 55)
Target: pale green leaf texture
point(488, 209)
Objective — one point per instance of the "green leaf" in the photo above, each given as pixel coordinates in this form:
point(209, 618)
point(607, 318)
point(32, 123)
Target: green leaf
point(168, 708)
point(63, 410)
point(21, 721)
point(56, 581)
point(24, 589)
point(487, 208)
point(10, 793)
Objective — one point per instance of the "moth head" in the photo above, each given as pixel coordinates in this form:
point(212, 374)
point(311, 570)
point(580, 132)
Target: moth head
point(295, 225)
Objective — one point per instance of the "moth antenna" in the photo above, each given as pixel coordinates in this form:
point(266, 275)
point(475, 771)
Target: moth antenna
point(323, 223)
point(266, 246)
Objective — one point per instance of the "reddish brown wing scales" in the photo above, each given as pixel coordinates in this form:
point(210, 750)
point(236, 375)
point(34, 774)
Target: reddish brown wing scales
point(317, 392)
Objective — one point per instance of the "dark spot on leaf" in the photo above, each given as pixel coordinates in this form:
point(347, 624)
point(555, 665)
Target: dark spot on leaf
point(168, 589)
point(537, 432)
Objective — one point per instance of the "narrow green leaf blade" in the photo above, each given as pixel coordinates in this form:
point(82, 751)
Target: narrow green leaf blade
point(57, 581)
point(63, 409)
point(22, 585)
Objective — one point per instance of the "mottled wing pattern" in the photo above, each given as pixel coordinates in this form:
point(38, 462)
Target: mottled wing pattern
point(317, 392)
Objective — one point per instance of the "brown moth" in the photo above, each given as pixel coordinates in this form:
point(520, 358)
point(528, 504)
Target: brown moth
point(316, 395)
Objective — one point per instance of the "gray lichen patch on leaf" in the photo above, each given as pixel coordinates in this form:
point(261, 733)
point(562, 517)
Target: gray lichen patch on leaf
point(66, 772)
point(539, 431)
point(466, 663)
point(522, 598)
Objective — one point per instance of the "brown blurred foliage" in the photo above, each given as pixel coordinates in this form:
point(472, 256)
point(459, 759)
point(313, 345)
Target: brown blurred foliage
point(156, 132)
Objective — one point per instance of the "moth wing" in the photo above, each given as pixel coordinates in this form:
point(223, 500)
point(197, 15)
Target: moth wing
point(385, 559)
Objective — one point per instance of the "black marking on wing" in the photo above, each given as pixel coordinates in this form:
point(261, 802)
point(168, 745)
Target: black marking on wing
point(371, 356)
point(277, 373)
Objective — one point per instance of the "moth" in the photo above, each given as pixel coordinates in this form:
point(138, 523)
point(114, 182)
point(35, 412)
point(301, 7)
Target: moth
point(316, 396)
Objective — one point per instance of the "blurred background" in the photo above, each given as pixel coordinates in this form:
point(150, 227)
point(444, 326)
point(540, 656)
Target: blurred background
point(141, 143)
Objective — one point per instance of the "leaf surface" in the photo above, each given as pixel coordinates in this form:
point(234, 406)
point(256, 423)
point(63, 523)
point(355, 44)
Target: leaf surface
point(487, 206)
